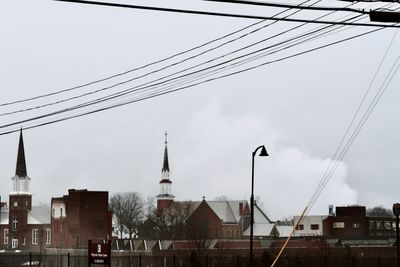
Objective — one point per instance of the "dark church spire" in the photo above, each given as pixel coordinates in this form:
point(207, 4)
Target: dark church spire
point(165, 167)
point(21, 165)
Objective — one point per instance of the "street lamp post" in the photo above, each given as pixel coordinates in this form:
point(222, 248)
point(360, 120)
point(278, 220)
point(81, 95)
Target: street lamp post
point(263, 153)
point(396, 211)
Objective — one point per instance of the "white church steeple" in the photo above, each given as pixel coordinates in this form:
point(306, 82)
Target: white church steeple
point(165, 198)
point(21, 178)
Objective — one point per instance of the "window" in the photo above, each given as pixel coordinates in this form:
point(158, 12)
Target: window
point(48, 236)
point(314, 226)
point(338, 225)
point(379, 225)
point(5, 236)
point(34, 236)
point(15, 204)
point(388, 225)
point(355, 225)
point(371, 225)
point(14, 224)
point(300, 227)
point(14, 243)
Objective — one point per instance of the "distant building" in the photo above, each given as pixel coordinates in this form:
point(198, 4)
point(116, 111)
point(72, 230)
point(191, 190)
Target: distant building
point(352, 223)
point(382, 227)
point(79, 216)
point(228, 219)
point(23, 226)
point(310, 225)
point(348, 222)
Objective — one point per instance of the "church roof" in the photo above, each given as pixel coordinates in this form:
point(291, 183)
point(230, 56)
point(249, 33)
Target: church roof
point(261, 229)
point(4, 217)
point(229, 211)
point(223, 210)
point(38, 215)
point(20, 169)
point(284, 230)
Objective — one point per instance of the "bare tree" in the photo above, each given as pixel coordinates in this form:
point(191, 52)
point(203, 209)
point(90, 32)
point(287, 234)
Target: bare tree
point(127, 208)
point(379, 211)
point(169, 224)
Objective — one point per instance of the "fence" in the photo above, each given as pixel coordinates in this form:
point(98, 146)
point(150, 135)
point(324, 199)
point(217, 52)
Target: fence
point(191, 260)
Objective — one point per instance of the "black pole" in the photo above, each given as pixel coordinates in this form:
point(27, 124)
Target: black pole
point(252, 208)
point(89, 246)
point(140, 260)
point(109, 253)
point(30, 259)
point(263, 153)
point(68, 259)
point(397, 242)
point(396, 212)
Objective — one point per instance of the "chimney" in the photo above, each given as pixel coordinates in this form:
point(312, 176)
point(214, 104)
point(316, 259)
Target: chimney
point(330, 207)
point(240, 208)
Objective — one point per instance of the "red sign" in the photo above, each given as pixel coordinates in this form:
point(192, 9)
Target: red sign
point(99, 253)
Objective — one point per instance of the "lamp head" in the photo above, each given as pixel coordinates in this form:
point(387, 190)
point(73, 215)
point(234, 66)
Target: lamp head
point(263, 152)
point(396, 209)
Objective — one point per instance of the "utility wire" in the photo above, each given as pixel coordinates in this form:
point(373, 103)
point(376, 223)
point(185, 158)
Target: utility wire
point(339, 155)
point(162, 80)
point(225, 14)
point(166, 67)
point(134, 69)
point(154, 62)
point(268, 4)
point(187, 69)
point(174, 90)
point(361, 124)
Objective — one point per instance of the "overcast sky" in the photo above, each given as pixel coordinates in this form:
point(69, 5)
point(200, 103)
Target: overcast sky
point(298, 108)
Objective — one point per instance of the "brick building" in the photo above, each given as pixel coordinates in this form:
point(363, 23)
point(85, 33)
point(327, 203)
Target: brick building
point(23, 226)
point(79, 216)
point(348, 222)
point(228, 220)
point(352, 223)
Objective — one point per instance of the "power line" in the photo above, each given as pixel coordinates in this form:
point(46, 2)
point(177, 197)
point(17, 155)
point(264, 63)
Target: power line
point(170, 91)
point(338, 156)
point(150, 64)
point(151, 83)
point(134, 69)
point(168, 66)
point(184, 11)
point(268, 4)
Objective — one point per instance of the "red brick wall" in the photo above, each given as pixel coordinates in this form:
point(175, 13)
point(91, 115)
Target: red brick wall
point(87, 217)
point(204, 223)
